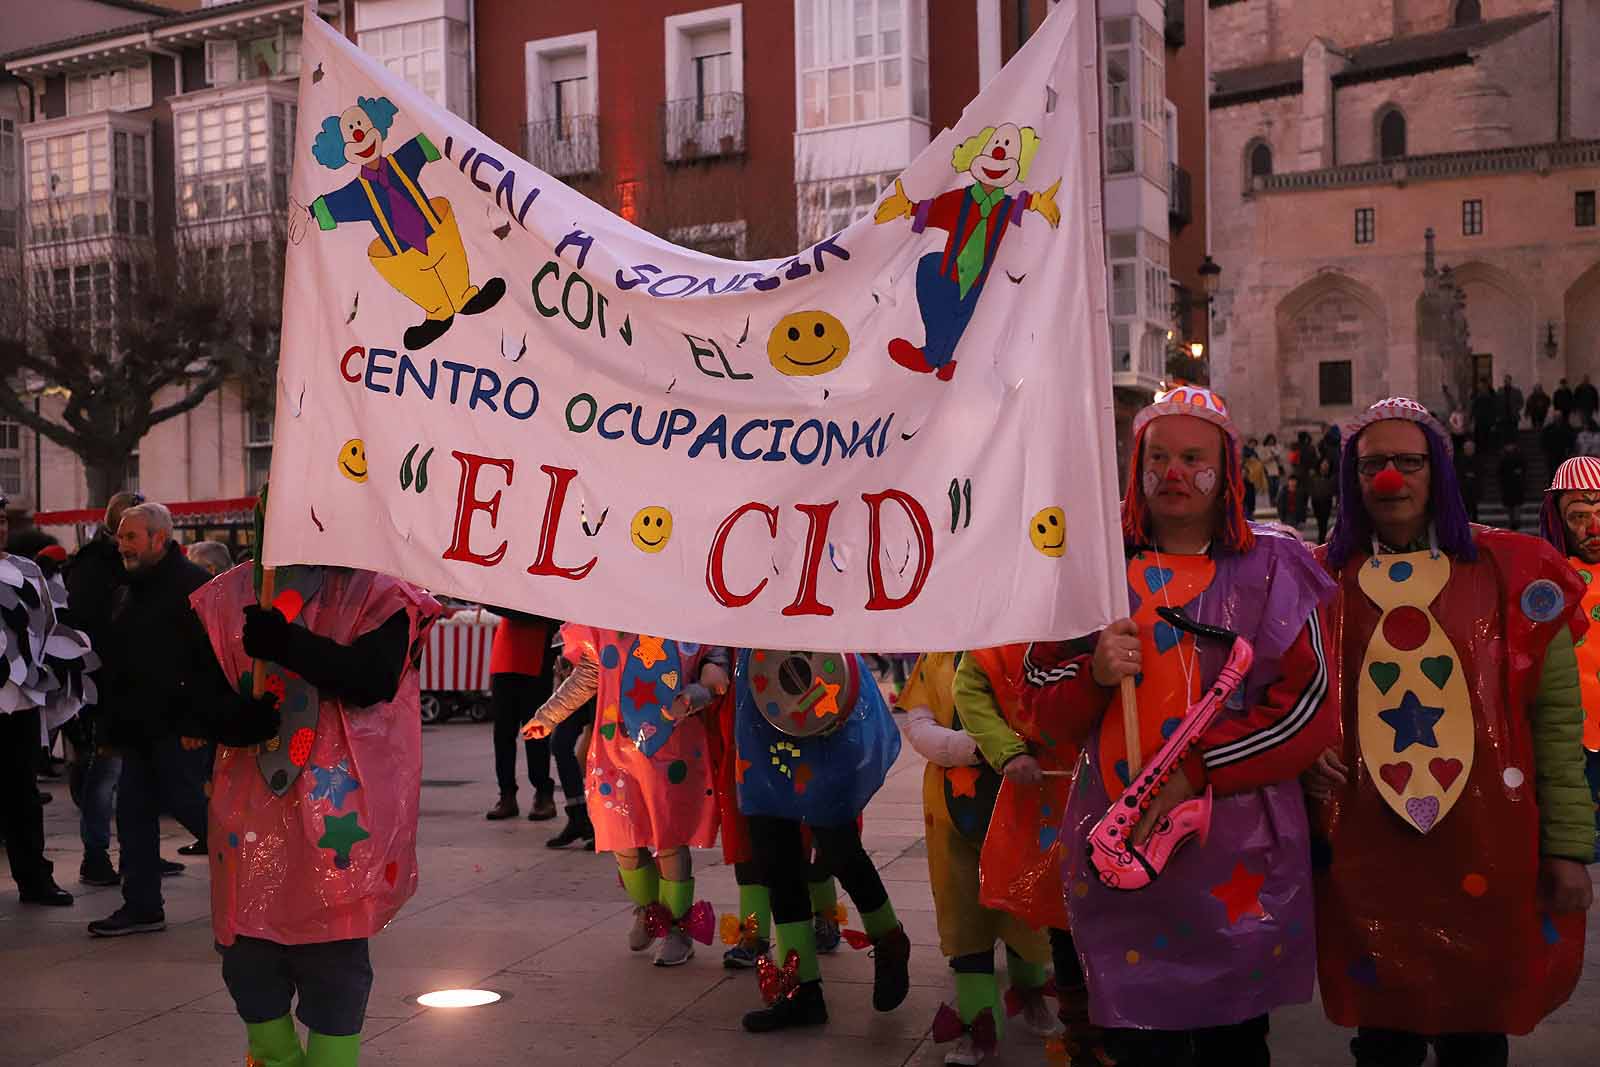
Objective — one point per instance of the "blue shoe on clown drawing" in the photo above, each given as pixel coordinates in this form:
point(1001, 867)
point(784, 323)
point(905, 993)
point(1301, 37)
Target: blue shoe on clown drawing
point(418, 247)
point(976, 217)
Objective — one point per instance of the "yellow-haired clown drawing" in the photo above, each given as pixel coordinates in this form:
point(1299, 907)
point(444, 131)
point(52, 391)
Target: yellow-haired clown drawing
point(418, 247)
point(976, 217)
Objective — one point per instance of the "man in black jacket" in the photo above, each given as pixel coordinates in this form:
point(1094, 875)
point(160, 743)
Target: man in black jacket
point(153, 648)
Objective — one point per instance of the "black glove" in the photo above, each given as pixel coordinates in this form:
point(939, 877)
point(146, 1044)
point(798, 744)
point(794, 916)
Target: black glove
point(253, 721)
point(266, 633)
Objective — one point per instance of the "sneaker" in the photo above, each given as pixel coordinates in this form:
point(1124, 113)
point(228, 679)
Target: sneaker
point(891, 973)
point(639, 937)
point(504, 808)
point(741, 958)
point(96, 869)
point(46, 893)
point(675, 949)
point(805, 1008)
point(965, 1053)
point(544, 806)
point(1037, 1017)
point(121, 922)
point(827, 934)
point(578, 829)
point(170, 868)
point(194, 848)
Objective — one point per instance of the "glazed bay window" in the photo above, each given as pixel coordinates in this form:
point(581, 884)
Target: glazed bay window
point(87, 181)
point(826, 207)
point(10, 458)
point(1139, 294)
point(258, 448)
point(1134, 98)
point(275, 55)
point(861, 60)
point(234, 154)
point(432, 54)
point(118, 89)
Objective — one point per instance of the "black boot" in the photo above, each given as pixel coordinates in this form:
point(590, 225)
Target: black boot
point(504, 808)
point(891, 971)
point(578, 828)
point(805, 1008)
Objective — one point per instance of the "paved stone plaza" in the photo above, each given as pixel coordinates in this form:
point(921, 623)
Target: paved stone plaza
point(497, 910)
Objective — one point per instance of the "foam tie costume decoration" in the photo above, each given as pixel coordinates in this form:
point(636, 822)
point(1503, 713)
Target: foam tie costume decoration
point(1120, 863)
point(699, 922)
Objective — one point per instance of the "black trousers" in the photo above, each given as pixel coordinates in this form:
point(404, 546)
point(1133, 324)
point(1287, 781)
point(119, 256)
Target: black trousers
point(333, 979)
point(564, 747)
point(1396, 1048)
point(21, 814)
point(153, 781)
point(780, 855)
point(514, 698)
point(1238, 1045)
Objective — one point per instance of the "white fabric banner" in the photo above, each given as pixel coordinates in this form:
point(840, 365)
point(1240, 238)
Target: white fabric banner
point(898, 439)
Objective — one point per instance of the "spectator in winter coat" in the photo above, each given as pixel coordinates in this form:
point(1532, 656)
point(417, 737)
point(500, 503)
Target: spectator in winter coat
point(1272, 460)
point(1513, 473)
point(1538, 406)
point(1557, 439)
point(1510, 408)
point(1562, 399)
point(1585, 398)
point(1292, 503)
point(1485, 419)
point(1324, 490)
point(1467, 473)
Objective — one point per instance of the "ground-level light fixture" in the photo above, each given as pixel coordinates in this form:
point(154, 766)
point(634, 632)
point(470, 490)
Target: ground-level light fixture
point(458, 998)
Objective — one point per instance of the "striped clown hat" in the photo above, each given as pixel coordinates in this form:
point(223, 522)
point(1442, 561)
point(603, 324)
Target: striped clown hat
point(1395, 407)
point(1579, 472)
point(1188, 400)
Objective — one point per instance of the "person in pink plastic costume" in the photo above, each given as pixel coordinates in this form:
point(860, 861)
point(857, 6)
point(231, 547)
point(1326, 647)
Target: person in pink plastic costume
point(313, 855)
point(649, 781)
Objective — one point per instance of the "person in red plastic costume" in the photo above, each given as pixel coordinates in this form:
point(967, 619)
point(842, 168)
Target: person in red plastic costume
point(1450, 883)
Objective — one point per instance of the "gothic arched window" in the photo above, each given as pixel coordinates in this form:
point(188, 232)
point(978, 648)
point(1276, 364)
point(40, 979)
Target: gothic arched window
point(1392, 134)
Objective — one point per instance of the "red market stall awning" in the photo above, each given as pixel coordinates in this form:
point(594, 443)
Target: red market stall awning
point(185, 513)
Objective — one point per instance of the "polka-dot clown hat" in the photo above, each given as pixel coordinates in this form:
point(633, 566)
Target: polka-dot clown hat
point(1395, 407)
point(1188, 400)
point(1579, 472)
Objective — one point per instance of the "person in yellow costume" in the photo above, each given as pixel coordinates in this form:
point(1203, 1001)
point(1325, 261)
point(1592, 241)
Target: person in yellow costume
point(958, 795)
point(418, 248)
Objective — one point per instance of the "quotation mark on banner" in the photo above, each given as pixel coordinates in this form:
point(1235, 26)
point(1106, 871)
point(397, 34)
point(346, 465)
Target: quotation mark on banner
point(421, 475)
point(960, 502)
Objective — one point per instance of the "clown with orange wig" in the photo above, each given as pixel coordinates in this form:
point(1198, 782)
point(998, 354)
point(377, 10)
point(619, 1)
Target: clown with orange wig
point(1187, 968)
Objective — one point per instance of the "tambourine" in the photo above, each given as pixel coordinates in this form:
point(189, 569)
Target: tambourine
point(804, 694)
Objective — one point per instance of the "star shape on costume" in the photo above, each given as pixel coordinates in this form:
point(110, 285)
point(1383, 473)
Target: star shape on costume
point(341, 833)
point(649, 651)
point(828, 704)
point(333, 784)
point(739, 767)
point(1241, 893)
point(963, 781)
point(1412, 722)
point(643, 693)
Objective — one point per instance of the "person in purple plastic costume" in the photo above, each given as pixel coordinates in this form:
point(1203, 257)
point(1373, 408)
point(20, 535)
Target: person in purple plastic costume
point(301, 880)
point(1186, 969)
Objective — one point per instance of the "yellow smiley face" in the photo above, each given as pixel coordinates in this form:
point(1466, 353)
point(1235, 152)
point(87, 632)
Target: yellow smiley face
point(353, 460)
point(807, 343)
point(651, 529)
point(1048, 532)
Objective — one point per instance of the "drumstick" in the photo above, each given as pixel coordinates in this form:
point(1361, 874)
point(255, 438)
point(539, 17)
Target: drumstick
point(1130, 726)
point(1056, 774)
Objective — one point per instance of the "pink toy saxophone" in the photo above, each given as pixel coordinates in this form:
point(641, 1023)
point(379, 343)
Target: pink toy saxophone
point(1124, 865)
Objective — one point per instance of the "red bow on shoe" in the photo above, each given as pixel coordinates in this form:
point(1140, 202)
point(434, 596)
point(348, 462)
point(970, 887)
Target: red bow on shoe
point(1014, 996)
point(657, 919)
point(778, 982)
point(947, 1026)
point(700, 922)
point(856, 939)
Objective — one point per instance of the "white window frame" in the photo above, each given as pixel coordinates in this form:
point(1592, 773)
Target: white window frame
point(453, 53)
point(82, 89)
point(102, 194)
point(830, 218)
point(537, 56)
point(908, 98)
point(679, 29)
point(1140, 125)
point(273, 143)
point(693, 236)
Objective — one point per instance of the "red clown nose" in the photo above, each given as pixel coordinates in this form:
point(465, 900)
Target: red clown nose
point(1388, 481)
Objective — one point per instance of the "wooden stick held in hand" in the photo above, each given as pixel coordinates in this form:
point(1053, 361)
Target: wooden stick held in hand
point(1130, 726)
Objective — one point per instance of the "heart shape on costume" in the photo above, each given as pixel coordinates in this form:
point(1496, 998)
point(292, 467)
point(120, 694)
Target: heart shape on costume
point(1438, 669)
point(670, 679)
point(1445, 771)
point(759, 683)
point(1166, 636)
point(1396, 775)
point(799, 718)
point(1423, 811)
point(1155, 578)
point(1384, 675)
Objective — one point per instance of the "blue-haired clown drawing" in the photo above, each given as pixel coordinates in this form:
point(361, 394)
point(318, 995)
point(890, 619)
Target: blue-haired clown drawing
point(977, 218)
point(418, 247)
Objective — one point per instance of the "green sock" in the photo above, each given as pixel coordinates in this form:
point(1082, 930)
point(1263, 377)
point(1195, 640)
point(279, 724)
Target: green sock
point(802, 939)
point(642, 884)
point(756, 900)
point(677, 897)
point(974, 992)
point(274, 1044)
point(881, 921)
point(824, 897)
point(1024, 975)
point(325, 1051)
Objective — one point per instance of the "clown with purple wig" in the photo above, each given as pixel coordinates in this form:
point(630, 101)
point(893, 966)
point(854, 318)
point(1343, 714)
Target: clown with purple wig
point(1452, 815)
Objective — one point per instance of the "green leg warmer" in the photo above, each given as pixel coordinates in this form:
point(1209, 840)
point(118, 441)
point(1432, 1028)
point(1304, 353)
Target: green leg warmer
point(642, 884)
point(880, 922)
point(801, 937)
point(756, 900)
point(274, 1044)
point(325, 1051)
point(824, 897)
point(974, 992)
point(1024, 975)
point(677, 897)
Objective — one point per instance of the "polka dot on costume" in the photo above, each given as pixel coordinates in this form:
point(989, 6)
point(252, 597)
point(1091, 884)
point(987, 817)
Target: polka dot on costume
point(1170, 727)
point(1406, 628)
point(1160, 941)
point(1132, 957)
point(677, 771)
point(1400, 571)
point(233, 840)
point(1081, 889)
point(1475, 885)
point(1513, 777)
point(610, 657)
point(605, 789)
point(250, 838)
point(1277, 951)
